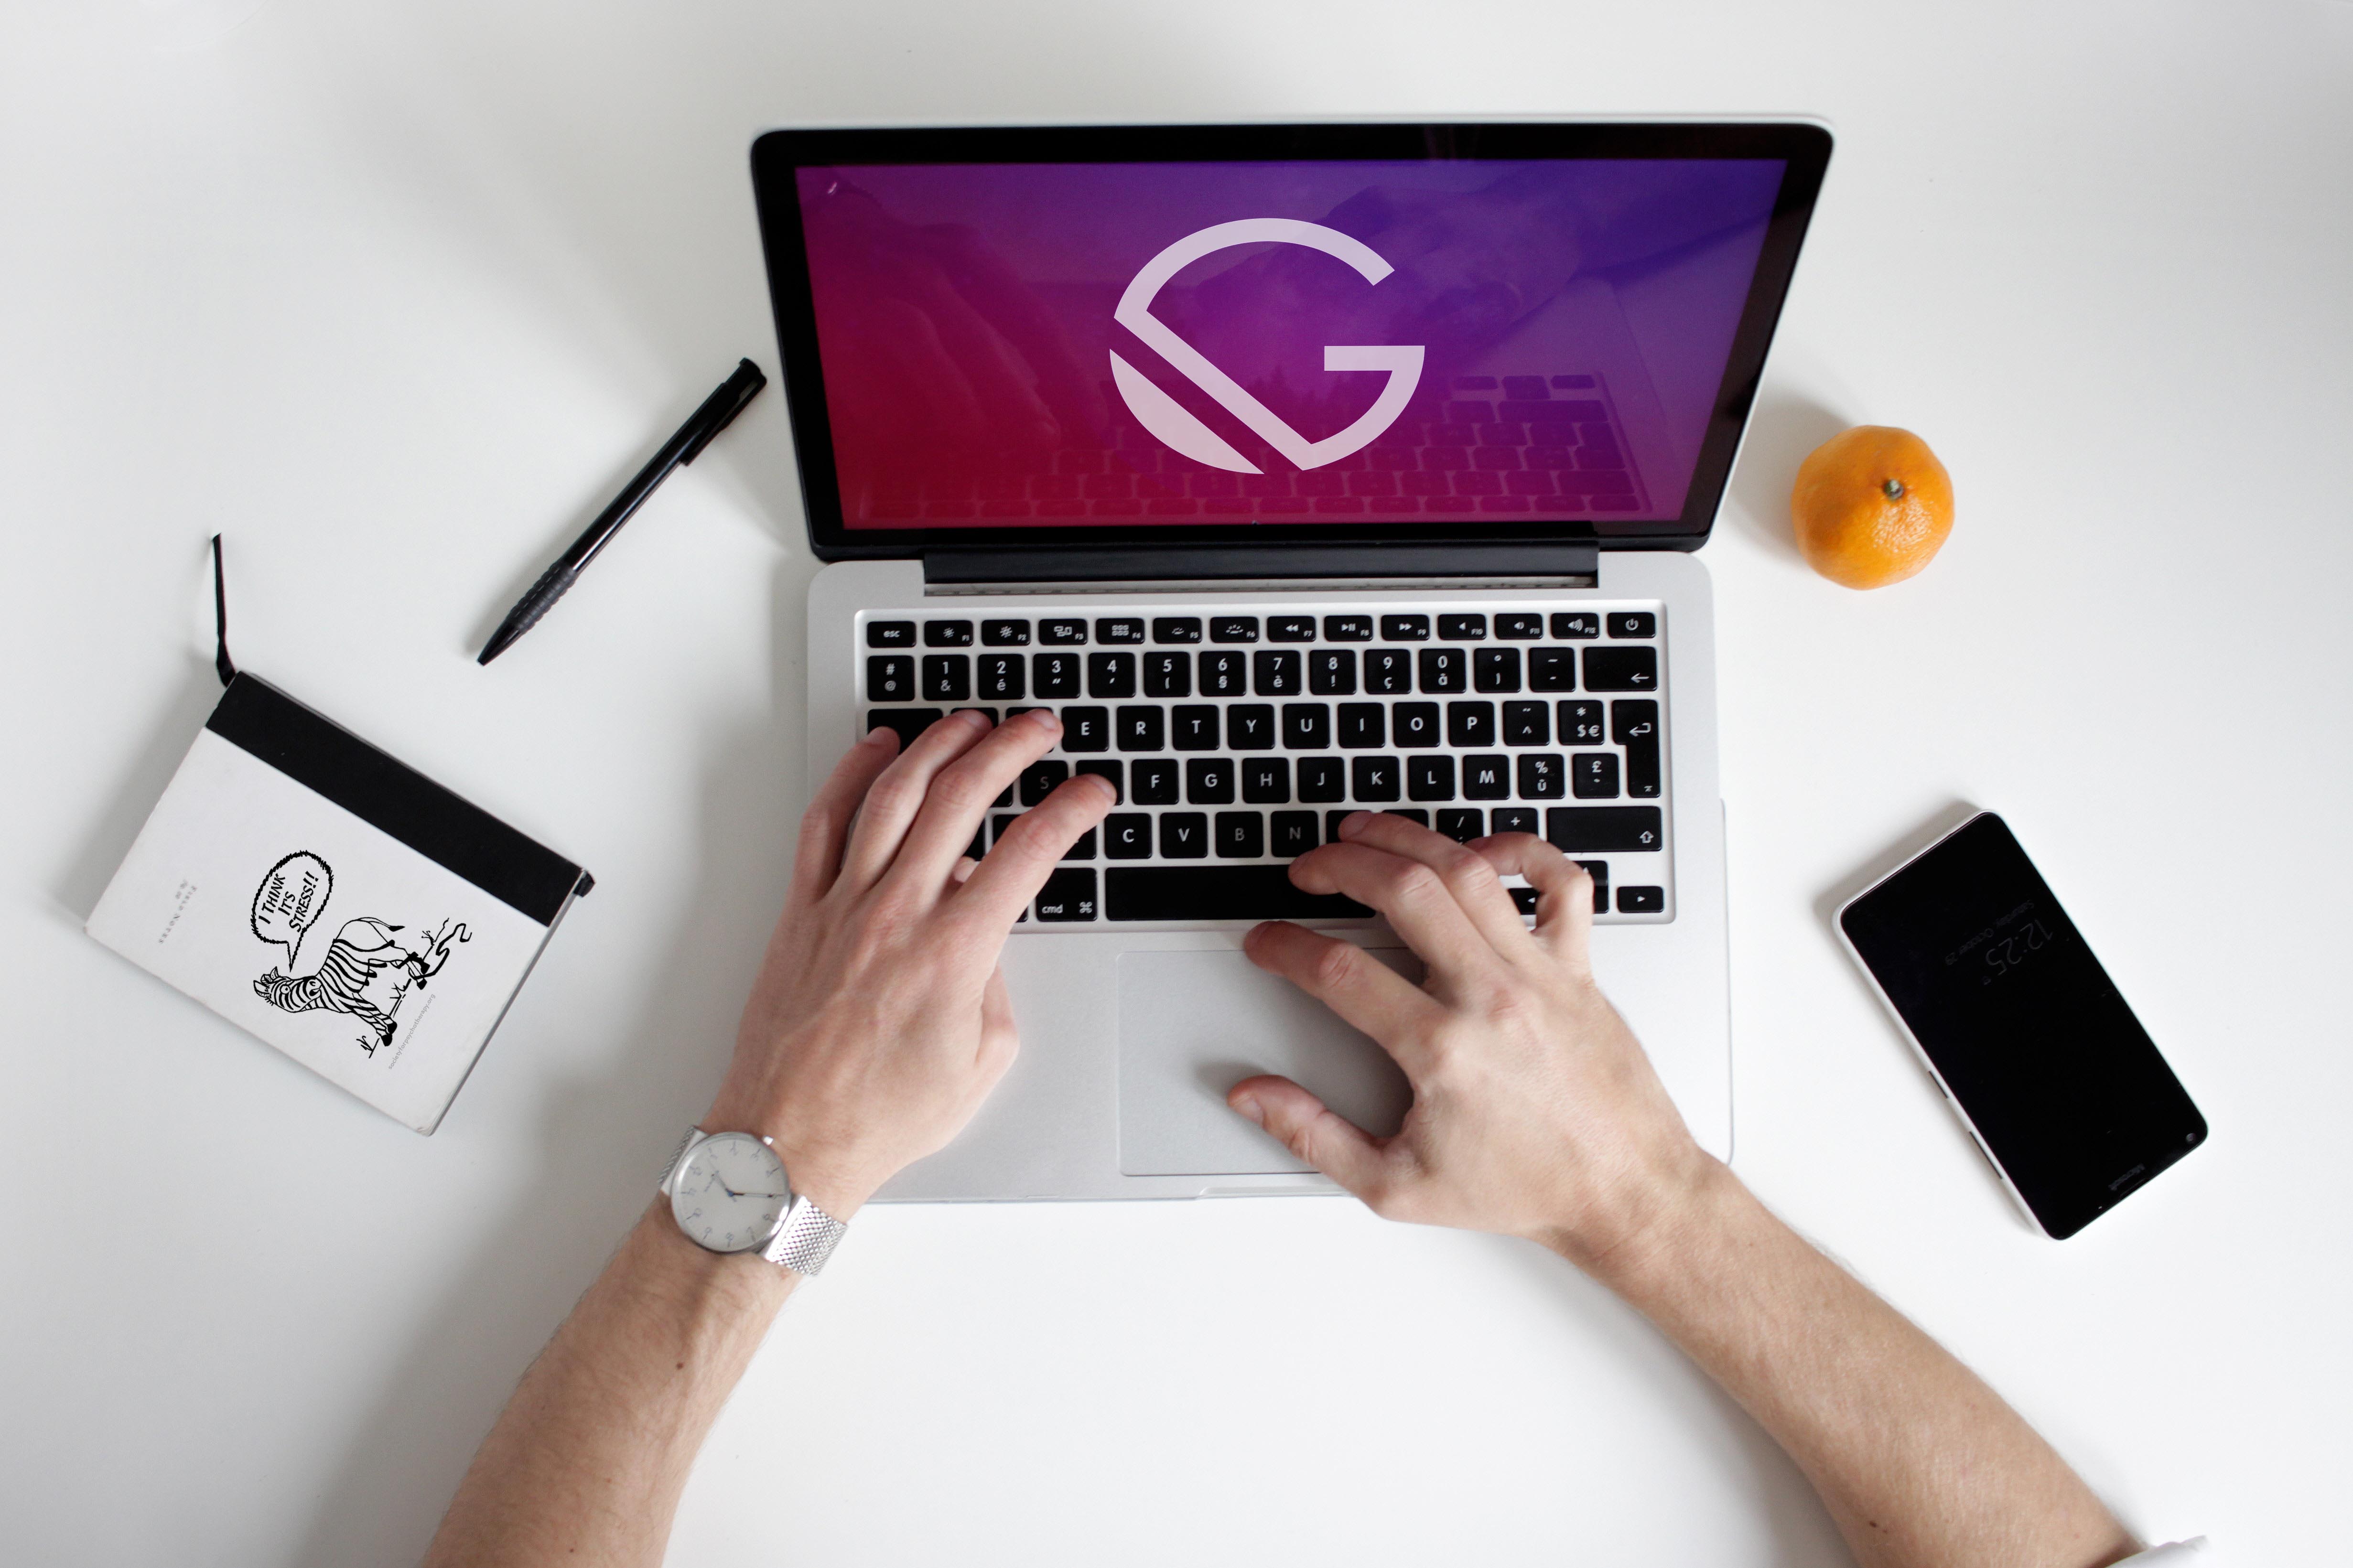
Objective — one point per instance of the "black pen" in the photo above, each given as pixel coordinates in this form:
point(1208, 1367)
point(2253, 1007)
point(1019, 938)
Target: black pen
point(717, 411)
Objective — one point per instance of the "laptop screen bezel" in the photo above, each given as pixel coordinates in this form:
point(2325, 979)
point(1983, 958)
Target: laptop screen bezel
point(1803, 147)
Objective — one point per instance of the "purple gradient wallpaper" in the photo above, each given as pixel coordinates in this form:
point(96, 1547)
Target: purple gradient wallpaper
point(1057, 344)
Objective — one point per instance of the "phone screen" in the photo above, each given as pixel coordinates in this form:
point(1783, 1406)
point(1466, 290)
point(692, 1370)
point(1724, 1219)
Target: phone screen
point(2066, 1090)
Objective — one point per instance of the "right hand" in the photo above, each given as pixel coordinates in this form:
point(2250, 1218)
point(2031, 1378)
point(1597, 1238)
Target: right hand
point(1535, 1111)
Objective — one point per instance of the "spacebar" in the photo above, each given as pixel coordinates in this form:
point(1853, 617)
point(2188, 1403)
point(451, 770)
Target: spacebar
point(1216, 893)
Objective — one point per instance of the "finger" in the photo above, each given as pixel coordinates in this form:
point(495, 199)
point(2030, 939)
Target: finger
point(825, 825)
point(1477, 887)
point(1414, 898)
point(1018, 864)
point(1564, 890)
point(1367, 993)
point(898, 794)
point(960, 796)
point(1303, 1124)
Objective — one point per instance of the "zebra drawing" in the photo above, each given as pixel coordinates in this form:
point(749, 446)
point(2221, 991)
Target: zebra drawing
point(367, 974)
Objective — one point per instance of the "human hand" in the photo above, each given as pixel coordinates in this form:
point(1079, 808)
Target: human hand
point(1535, 1111)
point(878, 1021)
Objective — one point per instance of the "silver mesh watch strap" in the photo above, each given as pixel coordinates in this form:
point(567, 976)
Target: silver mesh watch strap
point(805, 1239)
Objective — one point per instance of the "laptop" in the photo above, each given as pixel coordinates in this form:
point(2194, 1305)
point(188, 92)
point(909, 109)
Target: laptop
point(1302, 469)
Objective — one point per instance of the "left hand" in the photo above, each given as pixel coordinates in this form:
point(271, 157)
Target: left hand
point(880, 1021)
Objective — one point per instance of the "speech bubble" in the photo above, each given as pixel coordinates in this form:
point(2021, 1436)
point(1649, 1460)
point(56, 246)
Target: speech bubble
point(289, 901)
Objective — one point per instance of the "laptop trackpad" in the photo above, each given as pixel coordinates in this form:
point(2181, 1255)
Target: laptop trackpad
point(1193, 1025)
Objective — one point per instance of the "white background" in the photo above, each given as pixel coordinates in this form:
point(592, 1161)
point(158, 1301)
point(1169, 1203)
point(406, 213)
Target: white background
point(396, 292)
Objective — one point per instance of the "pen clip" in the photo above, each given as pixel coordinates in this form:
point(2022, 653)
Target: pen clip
point(221, 661)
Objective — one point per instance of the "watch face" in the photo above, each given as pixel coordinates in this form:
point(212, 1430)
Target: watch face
point(730, 1193)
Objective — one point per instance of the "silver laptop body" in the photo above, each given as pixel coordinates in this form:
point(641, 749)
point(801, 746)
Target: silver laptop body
point(1251, 635)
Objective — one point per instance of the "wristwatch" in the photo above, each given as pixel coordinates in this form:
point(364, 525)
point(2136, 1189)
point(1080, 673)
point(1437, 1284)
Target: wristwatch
point(729, 1193)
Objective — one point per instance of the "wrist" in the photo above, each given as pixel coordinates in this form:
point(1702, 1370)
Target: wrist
point(1651, 1225)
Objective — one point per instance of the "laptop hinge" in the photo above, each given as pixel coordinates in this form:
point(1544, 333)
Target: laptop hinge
point(1180, 568)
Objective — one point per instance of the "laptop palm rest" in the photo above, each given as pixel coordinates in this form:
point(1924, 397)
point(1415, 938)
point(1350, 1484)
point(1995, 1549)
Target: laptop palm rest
point(1194, 1024)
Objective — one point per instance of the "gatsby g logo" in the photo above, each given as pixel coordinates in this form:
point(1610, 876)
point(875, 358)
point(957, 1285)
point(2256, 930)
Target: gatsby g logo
point(1168, 419)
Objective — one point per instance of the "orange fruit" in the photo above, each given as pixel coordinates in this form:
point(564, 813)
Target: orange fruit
point(1873, 506)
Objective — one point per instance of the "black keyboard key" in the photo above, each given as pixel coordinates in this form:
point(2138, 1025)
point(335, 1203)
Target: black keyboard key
point(1291, 628)
point(1002, 676)
point(1523, 900)
point(1168, 675)
point(1306, 726)
point(1218, 893)
point(1039, 780)
point(1599, 830)
point(1430, 778)
point(1642, 901)
point(1599, 871)
point(1193, 728)
point(1001, 825)
point(1470, 724)
point(1463, 826)
point(1444, 670)
point(1552, 670)
point(947, 634)
point(1062, 633)
point(1275, 673)
point(1363, 725)
point(1176, 629)
point(1332, 672)
point(890, 678)
point(1140, 730)
point(1512, 819)
point(1462, 628)
point(1522, 627)
point(1106, 770)
point(1332, 820)
point(1224, 674)
point(1233, 628)
point(1005, 633)
point(1496, 669)
point(1405, 628)
point(1593, 776)
point(1111, 675)
point(1151, 781)
point(1542, 778)
point(1580, 724)
point(1082, 847)
point(1621, 669)
point(1241, 834)
point(1322, 779)
point(1486, 776)
point(1634, 724)
point(1348, 629)
point(1127, 835)
point(1266, 781)
point(1055, 674)
point(909, 721)
point(947, 678)
point(1373, 778)
point(1183, 835)
point(1067, 895)
point(890, 634)
point(1293, 834)
point(1634, 624)
point(1389, 671)
point(1120, 629)
point(1086, 729)
point(1574, 625)
point(1414, 724)
point(1209, 781)
point(979, 844)
point(1250, 726)
point(1527, 723)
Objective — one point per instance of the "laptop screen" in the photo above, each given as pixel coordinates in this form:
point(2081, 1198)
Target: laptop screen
point(1474, 346)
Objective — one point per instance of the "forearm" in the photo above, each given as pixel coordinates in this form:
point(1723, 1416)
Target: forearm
point(588, 1461)
point(1919, 1462)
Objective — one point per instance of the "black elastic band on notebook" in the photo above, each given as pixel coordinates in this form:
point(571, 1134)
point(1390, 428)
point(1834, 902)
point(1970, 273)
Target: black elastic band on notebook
point(220, 617)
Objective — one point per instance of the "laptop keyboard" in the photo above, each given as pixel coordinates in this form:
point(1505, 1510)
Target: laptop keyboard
point(1239, 742)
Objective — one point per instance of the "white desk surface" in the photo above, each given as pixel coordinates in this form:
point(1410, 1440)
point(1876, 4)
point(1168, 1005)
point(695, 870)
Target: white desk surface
point(395, 293)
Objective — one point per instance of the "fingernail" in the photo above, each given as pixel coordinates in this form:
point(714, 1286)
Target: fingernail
point(874, 736)
point(1354, 823)
point(1044, 719)
point(973, 715)
point(1104, 788)
point(1252, 1109)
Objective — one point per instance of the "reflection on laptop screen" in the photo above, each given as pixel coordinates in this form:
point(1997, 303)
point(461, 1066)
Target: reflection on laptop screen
point(1058, 344)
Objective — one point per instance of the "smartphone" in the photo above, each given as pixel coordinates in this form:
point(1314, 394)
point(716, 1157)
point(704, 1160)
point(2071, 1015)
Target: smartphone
point(2062, 1087)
